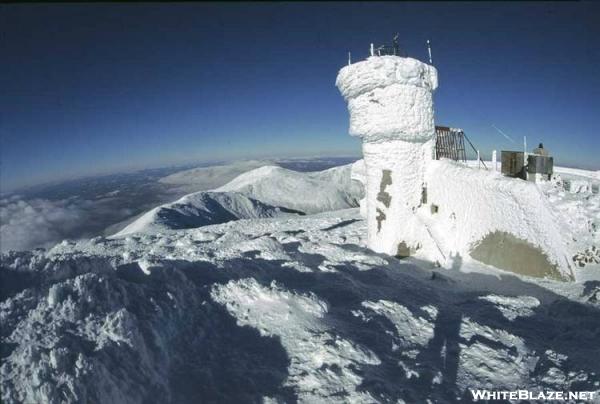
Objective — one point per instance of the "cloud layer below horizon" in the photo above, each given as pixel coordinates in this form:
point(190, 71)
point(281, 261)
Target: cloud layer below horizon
point(27, 224)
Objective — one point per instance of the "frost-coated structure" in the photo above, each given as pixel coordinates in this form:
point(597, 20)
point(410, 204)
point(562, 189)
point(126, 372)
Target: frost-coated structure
point(439, 210)
point(391, 108)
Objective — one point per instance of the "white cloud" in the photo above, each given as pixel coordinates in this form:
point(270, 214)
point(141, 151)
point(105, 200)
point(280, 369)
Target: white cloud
point(38, 222)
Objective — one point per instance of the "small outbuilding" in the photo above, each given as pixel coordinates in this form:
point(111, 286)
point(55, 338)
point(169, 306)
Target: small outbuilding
point(537, 166)
point(540, 165)
point(513, 164)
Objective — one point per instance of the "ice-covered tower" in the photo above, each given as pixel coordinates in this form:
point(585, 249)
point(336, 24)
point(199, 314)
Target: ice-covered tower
point(391, 108)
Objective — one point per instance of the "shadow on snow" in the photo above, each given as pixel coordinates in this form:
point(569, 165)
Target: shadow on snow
point(557, 324)
point(219, 361)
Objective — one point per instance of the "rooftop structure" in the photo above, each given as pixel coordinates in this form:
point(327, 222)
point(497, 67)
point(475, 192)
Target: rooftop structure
point(450, 143)
point(537, 166)
point(383, 50)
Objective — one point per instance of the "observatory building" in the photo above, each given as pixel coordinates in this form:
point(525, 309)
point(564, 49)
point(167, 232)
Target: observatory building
point(421, 199)
point(391, 108)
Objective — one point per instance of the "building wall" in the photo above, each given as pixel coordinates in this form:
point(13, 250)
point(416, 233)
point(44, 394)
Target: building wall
point(391, 108)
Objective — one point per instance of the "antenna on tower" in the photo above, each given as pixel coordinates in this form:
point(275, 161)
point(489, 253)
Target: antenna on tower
point(429, 51)
point(395, 45)
point(349, 58)
point(372, 50)
point(502, 133)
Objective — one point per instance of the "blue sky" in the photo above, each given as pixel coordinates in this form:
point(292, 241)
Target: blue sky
point(101, 88)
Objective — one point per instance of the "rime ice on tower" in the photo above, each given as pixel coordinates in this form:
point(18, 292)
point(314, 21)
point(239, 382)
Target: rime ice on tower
point(440, 210)
point(391, 108)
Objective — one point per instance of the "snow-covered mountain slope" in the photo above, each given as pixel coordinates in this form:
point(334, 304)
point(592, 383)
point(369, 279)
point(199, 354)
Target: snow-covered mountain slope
point(207, 178)
point(228, 296)
point(263, 192)
point(579, 214)
point(201, 209)
point(285, 309)
point(309, 192)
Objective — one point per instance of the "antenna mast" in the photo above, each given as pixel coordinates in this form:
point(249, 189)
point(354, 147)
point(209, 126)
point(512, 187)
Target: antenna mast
point(429, 51)
point(395, 45)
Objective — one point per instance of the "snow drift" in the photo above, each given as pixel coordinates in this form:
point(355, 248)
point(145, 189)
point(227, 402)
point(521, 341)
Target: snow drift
point(472, 204)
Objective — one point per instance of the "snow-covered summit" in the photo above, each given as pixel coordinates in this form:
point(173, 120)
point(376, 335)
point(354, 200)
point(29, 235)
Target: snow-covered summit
point(286, 308)
point(202, 209)
point(266, 191)
point(309, 192)
point(211, 177)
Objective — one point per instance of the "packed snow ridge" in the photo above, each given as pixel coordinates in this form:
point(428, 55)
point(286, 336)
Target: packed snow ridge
point(283, 307)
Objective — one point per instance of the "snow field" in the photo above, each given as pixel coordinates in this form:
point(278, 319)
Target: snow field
point(283, 309)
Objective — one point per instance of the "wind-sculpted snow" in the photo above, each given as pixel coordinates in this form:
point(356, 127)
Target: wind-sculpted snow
point(579, 215)
point(321, 363)
point(473, 204)
point(284, 309)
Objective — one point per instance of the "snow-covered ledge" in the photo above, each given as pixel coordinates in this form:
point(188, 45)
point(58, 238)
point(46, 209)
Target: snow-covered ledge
point(391, 108)
point(502, 221)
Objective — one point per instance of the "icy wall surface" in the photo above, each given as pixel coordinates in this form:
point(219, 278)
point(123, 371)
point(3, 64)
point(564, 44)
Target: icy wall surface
point(391, 108)
point(395, 180)
point(389, 98)
point(474, 203)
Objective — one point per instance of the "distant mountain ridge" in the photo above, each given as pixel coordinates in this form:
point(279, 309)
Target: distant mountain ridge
point(202, 209)
point(309, 192)
point(264, 192)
